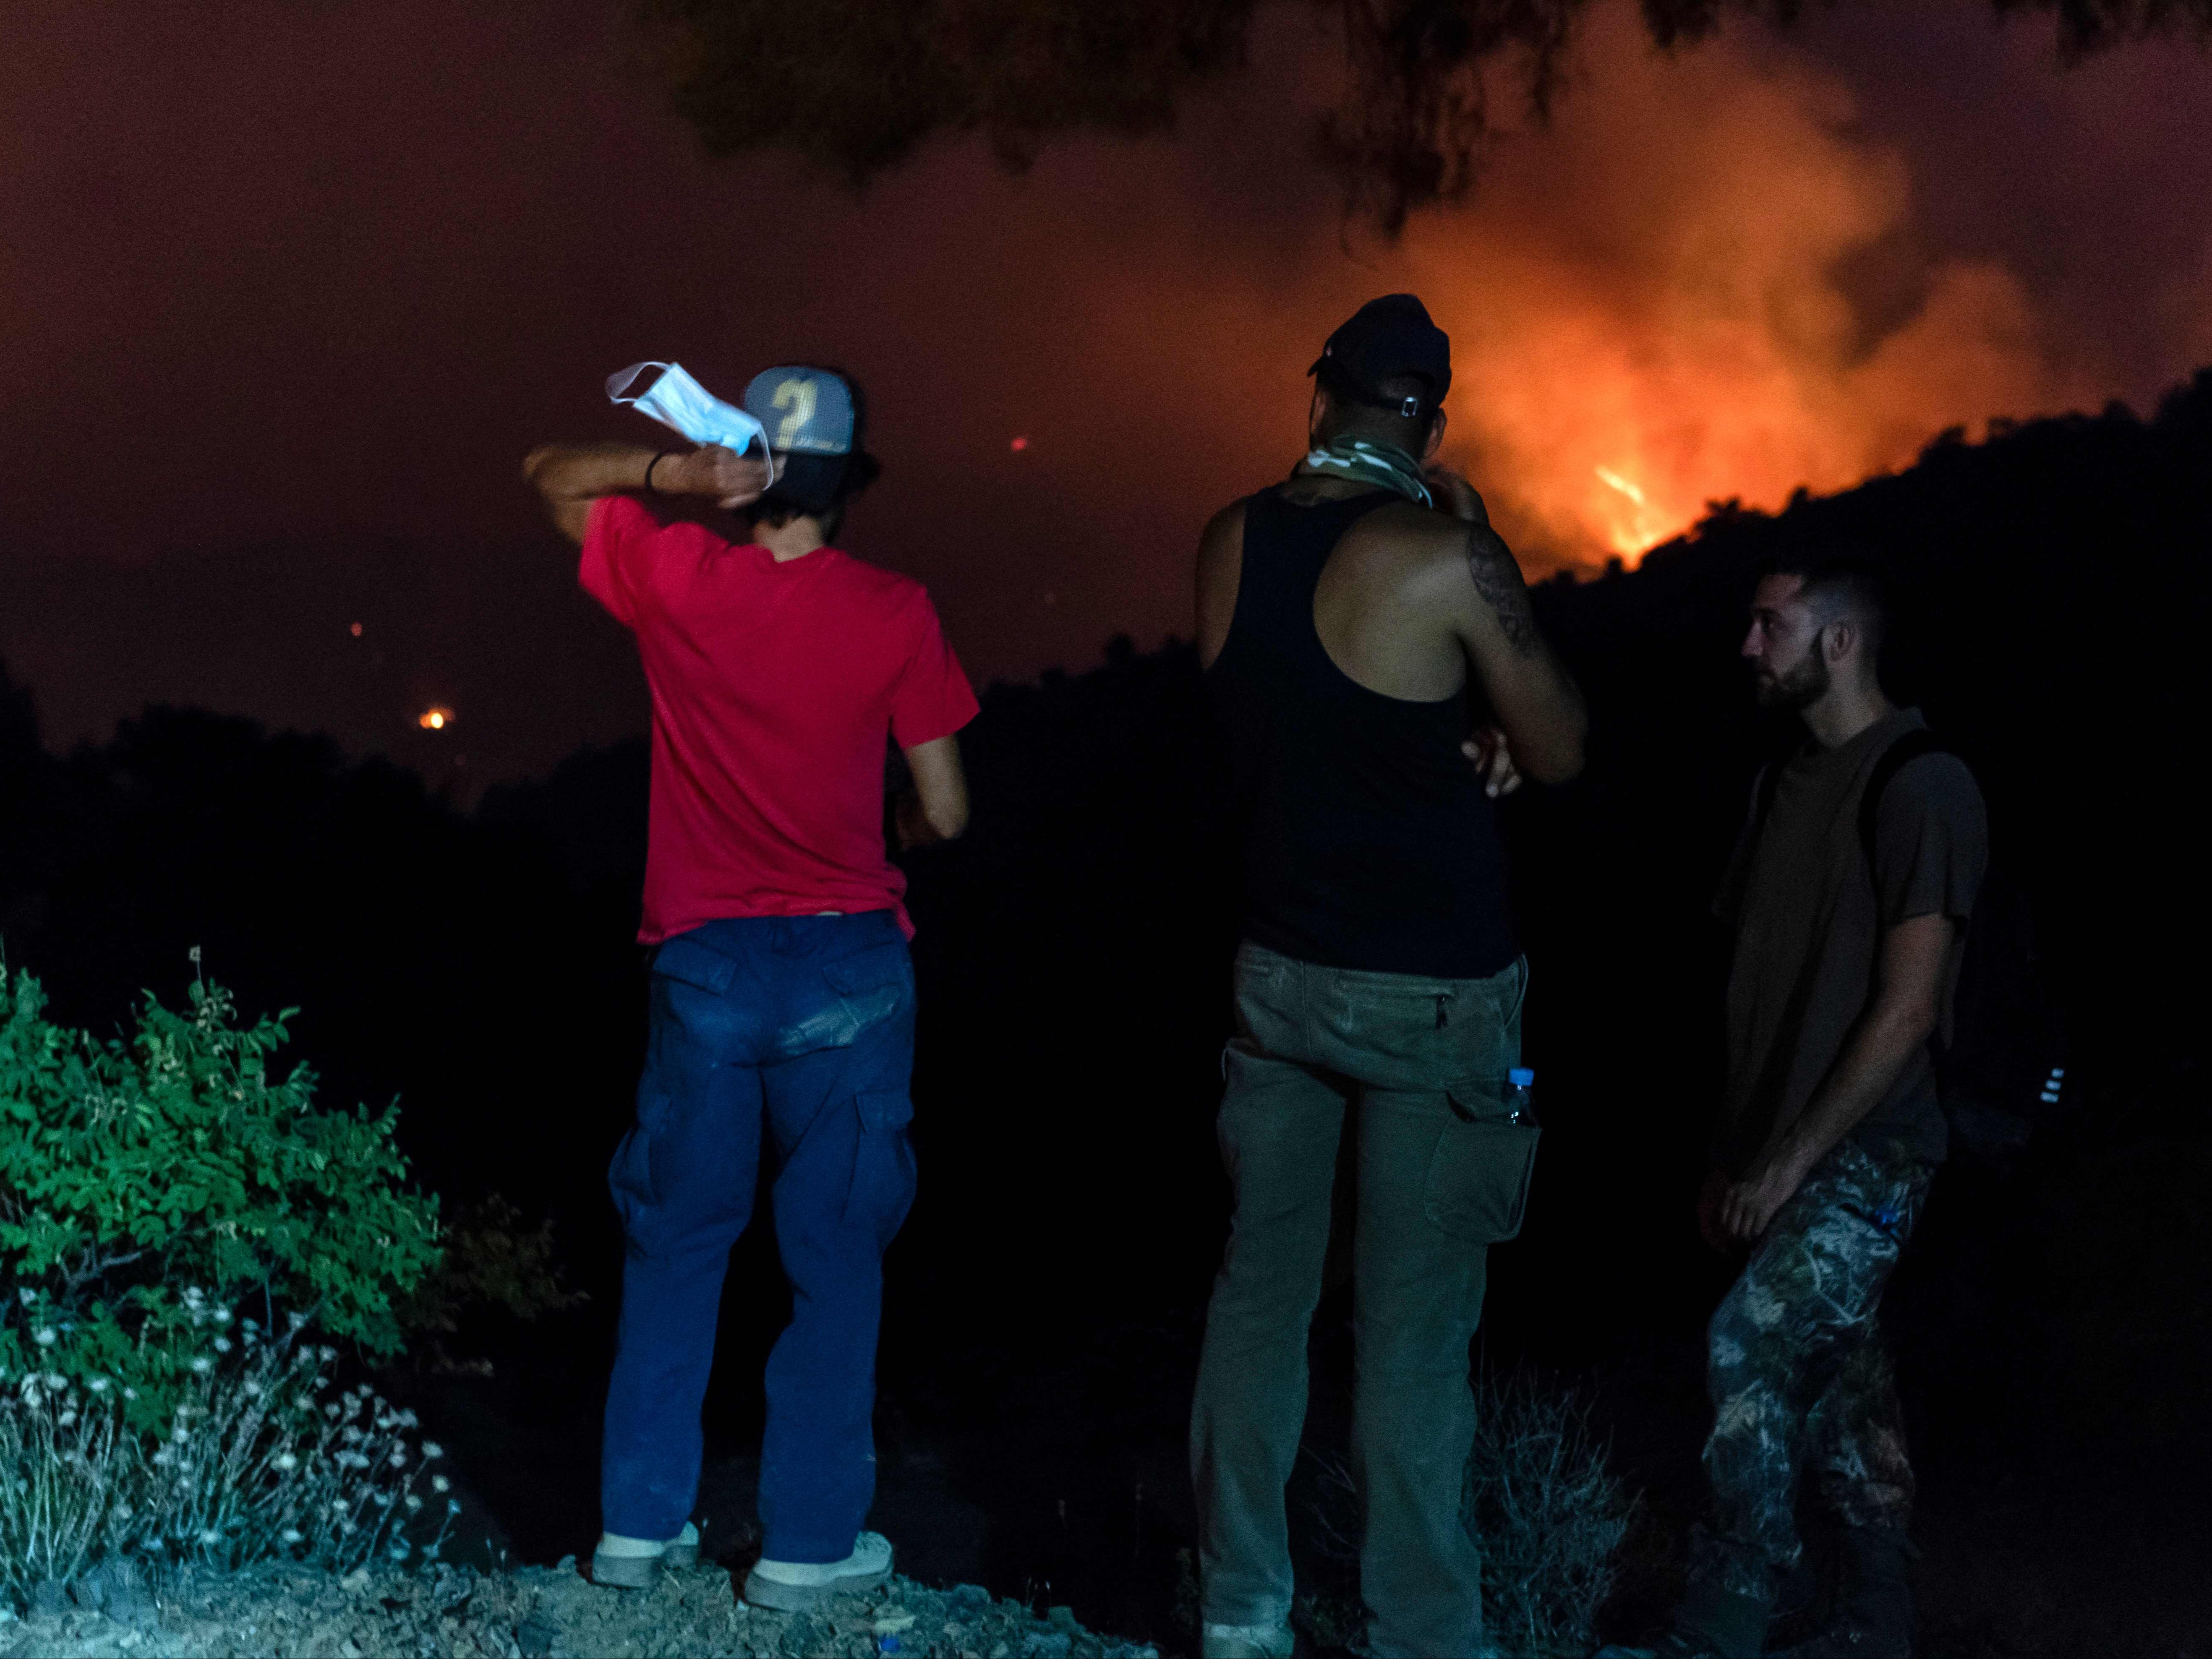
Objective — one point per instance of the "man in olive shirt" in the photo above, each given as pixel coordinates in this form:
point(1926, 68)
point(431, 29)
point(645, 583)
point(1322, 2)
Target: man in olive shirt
point(1847, 914)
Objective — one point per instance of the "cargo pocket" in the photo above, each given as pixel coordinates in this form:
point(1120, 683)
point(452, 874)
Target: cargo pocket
point(1478, 1185)
point(883, 1185)
point(629, 1176)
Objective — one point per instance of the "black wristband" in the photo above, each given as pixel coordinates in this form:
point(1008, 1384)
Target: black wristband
point(652, 464)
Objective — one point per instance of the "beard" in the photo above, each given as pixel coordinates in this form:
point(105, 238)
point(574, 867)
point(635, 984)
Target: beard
point(1798, 686)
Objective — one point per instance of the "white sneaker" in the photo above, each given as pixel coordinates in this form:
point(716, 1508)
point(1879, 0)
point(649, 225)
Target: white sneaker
point(793, 1586)
point(636, 1563)
point(1246, 1641)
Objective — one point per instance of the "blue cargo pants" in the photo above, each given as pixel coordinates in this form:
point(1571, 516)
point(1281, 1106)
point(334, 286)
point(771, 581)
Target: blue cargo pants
point(792, 1036)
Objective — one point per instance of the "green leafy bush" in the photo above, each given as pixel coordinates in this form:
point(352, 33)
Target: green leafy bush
point(152, 1183)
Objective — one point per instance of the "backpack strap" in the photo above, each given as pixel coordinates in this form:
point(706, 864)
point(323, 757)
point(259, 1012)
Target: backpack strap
point(1762, 796)
point(1894, 759)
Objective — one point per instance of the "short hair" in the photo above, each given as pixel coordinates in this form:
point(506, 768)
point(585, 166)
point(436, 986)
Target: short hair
point(1839, 580)
point(1374, 413)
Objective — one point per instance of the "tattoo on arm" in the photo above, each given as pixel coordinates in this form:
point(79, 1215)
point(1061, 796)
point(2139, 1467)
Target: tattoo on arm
point(1497, 579)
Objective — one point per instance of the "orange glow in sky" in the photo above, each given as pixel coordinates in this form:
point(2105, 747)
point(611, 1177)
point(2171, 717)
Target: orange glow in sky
point(1705, 286)
point(435, 720)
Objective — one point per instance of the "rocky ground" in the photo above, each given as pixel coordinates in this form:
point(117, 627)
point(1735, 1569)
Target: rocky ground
point(535, 1613)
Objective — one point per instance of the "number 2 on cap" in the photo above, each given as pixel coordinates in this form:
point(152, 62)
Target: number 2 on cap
point(797, 397)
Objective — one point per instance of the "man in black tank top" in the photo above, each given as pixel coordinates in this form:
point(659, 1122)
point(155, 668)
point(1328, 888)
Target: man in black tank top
point(1351, 619)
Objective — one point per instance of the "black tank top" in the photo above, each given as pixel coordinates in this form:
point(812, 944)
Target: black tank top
point(1367, 840)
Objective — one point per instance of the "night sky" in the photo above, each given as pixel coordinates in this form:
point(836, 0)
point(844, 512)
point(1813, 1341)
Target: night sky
point(288, 287)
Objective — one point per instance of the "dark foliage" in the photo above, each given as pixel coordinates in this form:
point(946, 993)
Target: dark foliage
point(859, 86)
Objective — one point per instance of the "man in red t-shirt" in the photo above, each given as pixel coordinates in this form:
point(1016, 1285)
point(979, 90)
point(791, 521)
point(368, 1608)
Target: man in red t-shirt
point(782, 1015)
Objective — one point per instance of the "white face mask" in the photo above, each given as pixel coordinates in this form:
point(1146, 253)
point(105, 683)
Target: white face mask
point(681, 404)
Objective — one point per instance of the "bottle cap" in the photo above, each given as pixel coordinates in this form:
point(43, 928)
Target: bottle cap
point(1522, 1077)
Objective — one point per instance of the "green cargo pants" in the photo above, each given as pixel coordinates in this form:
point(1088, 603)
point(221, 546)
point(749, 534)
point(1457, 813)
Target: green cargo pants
point(1443, 1175)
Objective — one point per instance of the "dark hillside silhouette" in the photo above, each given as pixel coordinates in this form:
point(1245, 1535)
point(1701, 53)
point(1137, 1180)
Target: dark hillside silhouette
point(1072, 959)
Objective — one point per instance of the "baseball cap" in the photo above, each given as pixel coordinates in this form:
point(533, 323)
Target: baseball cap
point(1385, 338)
point(806, 411)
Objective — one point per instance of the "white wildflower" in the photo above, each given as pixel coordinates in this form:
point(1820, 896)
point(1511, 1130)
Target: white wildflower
point(253, 1388)
point(439, 1483)
point(192, 1292)
point(294, 1320)
point(350, 1436)
point(221, 1345)
point(56, 1381)
point(286, 1462)
point(407, 1420)
point(452, 1506)
point(123, 1511)
point(326, 1354)
point(398, 1457)
point(29, 1296)
point(331, 1411)
point(203, 1366)
point(400, 1551)
point(68, 1418)
point(164, 1458)
point(180, 1434)
point(130, 1392)
point(413, 1502)
point(292, 1535)
point(97, 1384)
point(337, 1506)
point(432, 1452)
point(209, 1536)
point(44, 1336)
point(223, 1315)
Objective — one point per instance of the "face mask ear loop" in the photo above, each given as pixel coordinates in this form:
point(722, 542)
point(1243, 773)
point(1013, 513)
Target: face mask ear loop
point(622, 378)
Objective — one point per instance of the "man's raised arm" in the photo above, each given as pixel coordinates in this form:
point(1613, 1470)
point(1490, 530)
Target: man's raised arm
point(1536, 700)
point(571, 477)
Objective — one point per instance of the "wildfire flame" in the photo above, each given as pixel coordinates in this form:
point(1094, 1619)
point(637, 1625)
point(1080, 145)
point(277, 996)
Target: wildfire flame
point(1643, 530)
point(1646, 306)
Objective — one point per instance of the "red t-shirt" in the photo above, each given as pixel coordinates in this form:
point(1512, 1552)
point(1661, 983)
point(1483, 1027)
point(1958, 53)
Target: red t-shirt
point(773, 686)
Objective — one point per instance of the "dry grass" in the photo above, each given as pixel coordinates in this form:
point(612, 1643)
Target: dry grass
point(259, 1461)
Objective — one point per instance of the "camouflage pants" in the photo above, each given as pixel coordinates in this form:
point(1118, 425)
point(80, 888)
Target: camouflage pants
point(1800, 1383)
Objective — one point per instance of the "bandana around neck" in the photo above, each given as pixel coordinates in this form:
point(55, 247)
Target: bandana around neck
point(1377, 464)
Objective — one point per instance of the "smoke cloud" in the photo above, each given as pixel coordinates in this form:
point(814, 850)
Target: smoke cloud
point(1705, 282)
point(291, 290)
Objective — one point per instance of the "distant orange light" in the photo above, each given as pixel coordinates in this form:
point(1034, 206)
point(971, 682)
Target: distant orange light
point(1018, 445)
point(354, 631)
point(435, 720)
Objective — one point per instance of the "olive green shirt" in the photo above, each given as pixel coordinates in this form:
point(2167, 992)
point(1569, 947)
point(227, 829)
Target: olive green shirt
point(1808, 915)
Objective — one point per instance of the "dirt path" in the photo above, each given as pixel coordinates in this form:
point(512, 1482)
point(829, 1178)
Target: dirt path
point(542, 1613)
